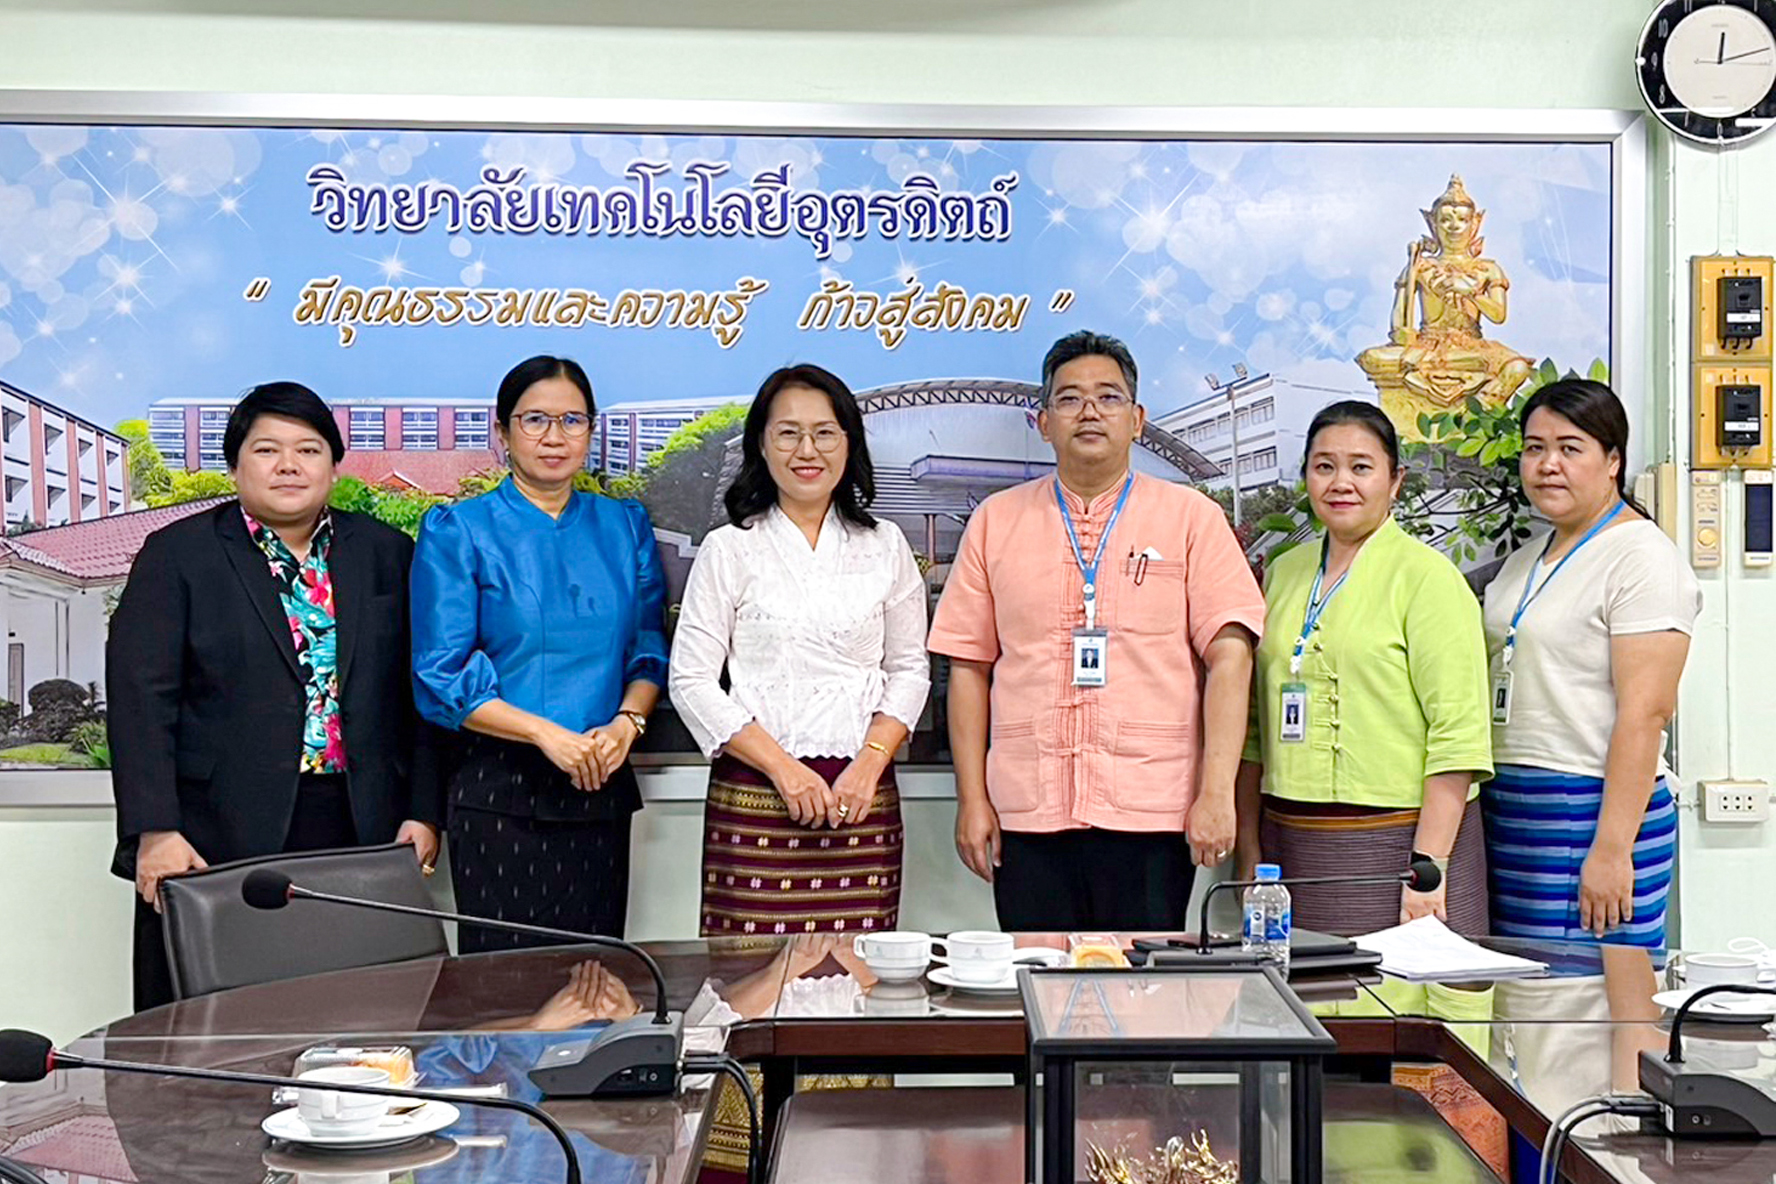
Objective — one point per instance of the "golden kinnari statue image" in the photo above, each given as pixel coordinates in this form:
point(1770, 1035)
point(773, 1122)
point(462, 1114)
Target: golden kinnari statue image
point(1434, 365)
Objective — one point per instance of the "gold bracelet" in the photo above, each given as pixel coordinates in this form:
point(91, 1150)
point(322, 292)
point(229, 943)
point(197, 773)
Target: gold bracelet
point(879, 747)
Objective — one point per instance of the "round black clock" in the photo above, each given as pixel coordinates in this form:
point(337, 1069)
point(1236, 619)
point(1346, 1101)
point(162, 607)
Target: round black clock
point(1707, 68)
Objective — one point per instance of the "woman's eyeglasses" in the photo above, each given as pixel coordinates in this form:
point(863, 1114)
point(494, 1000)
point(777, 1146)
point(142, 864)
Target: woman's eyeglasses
point(788, 437)
point(535, 424)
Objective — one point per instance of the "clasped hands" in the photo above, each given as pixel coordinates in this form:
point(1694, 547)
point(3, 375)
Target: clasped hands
point(592, 757)
point(813, 803)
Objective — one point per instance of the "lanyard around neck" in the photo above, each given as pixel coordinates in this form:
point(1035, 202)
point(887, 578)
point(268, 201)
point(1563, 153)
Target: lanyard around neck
point(1316, 604)
point(1090, 570)
point(1530, 589)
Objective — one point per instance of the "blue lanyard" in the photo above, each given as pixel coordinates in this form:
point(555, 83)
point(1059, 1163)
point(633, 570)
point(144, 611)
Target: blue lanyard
point(1090, 570)
point(1316, 605)
point(1530, 591)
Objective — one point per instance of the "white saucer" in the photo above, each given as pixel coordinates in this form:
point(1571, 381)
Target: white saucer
point(395, 1129)
point(944, 976)
point(1722, 1008)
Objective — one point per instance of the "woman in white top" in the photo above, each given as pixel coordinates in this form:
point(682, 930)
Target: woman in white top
point(817, 611)
point(1587, 630)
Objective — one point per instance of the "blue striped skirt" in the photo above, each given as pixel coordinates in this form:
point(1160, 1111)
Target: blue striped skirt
point(1539, 827)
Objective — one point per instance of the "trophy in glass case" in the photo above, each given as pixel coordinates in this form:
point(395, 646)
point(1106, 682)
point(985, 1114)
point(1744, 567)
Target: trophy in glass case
point(1171, 1076)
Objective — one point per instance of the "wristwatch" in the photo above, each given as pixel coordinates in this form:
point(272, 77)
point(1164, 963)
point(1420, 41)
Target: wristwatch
point(638, 719)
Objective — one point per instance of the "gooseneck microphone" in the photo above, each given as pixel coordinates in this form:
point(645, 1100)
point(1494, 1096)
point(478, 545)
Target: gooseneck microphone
point(24, 1056)
point(1707, 1102)
point(635, 1057)
point(1421, 875)
point(27, 1057)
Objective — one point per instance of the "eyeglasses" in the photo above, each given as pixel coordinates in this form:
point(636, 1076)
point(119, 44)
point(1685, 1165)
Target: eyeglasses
point(535, 424)
point(788, 437)
point(1108, 403)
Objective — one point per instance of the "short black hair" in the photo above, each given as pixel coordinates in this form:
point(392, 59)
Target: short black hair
point(1358, 414)
point(753, 491)
point(531, 371)
point(291, 400)
point(1084, 344)
point(1594, 409)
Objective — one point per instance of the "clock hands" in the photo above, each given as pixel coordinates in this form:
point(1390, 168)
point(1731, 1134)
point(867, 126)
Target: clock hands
point(1720, 55)
point(1730, 58)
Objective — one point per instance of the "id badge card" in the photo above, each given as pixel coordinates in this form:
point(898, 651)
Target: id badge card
point(1091, 657)
point(1501, 696)
point(1293, 729)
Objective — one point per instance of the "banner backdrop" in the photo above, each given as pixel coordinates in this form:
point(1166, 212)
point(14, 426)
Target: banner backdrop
point(149, 274)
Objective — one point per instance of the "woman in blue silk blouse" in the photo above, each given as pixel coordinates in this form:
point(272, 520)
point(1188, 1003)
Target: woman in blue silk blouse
point(537, 633)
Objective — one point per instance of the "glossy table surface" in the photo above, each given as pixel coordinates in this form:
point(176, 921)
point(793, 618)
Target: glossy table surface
point(1530, 1047)
point(477, 1021)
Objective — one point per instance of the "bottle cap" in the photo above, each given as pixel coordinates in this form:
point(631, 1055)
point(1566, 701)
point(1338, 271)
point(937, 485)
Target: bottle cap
point(1269, 871)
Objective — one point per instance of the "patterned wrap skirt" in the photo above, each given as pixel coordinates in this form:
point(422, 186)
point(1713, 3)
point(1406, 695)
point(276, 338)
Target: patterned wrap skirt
point(1539, 827)
point(1369, 843)
point(763, 874)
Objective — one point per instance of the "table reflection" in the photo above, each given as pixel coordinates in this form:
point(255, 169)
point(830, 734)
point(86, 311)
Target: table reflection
point(470, 1022)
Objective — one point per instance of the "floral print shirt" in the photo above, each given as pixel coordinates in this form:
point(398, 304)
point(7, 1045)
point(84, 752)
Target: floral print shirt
point(306, 589)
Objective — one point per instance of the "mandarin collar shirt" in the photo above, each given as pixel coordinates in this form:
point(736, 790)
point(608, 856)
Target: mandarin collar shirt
point(1124, 756)
point(1395, 677)
point(552, 615)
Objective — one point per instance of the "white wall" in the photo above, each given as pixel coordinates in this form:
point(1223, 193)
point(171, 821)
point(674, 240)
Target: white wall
point(1715, 203)
point(1359, 53)
point(67, 922)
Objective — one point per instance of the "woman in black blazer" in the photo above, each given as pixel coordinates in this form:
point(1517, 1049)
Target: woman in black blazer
point(257, 675)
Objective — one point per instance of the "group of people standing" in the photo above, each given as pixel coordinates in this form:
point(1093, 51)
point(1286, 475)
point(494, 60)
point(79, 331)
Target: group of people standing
point(1125, 703)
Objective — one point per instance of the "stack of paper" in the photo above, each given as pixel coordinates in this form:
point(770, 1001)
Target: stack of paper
point(1426, 949)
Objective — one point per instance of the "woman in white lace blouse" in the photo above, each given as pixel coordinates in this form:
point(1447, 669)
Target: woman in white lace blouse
point(817, 611)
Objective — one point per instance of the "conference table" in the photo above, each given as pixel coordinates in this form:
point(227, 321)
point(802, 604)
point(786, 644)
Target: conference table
point(804, 1006)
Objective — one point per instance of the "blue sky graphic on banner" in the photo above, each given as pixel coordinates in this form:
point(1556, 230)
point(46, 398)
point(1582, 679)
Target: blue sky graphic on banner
point(157, 272)
point(126, 255)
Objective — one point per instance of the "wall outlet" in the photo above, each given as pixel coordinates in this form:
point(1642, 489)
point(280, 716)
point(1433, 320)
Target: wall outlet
point(1735, 801)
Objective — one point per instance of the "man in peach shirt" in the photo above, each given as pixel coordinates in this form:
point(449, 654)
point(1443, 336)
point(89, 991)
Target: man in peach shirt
point(1100, 626)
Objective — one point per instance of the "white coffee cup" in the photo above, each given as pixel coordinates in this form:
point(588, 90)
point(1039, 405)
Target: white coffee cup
point(331, 1112)
point(894, 955)
point(1707, 970)
point(977, 955)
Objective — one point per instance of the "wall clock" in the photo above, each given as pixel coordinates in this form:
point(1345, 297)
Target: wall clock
point(1707, 68)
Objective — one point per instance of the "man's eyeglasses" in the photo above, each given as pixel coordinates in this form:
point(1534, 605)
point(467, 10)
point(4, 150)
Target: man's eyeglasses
point(1108, 403)
point(788, 437)
point(535, 424)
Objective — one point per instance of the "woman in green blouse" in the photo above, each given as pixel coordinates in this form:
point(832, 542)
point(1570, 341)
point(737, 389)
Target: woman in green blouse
point(1370, 720)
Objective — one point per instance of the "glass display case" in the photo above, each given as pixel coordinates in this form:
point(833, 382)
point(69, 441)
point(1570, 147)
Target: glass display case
point(1171, 1076)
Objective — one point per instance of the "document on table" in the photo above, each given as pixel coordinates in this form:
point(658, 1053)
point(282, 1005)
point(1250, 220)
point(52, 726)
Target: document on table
point(1427, 949)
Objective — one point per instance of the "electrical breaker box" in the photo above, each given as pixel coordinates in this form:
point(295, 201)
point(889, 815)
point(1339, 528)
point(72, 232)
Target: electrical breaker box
point(1741, 416)
point(1732, 417)
point(1741, 320)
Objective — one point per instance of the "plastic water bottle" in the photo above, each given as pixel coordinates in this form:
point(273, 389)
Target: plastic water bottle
point(1268, 918)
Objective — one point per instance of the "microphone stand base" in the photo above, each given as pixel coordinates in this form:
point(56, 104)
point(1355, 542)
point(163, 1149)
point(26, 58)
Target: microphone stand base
point(633, 1058)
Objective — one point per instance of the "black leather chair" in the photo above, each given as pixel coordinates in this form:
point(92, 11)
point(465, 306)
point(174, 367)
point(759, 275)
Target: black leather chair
point(215, 940)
